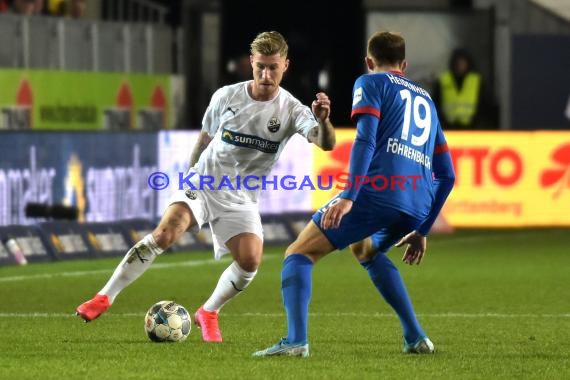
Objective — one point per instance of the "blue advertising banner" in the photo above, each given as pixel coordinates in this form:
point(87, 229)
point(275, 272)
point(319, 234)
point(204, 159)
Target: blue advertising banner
point(296, 222)
point(104, 175)
point(136, 229)
point(106, 239)
point(23, 244)
point(67, 240)
point(276, 230)
point(190, 241)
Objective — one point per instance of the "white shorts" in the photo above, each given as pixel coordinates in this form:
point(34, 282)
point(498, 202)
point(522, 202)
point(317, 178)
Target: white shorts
point(225, 221)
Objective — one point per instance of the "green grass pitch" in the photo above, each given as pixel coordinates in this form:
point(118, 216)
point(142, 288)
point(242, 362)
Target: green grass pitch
point(495, 303)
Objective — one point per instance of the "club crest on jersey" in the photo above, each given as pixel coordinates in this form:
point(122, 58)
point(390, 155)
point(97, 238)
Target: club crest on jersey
point(273, 125)
point(192, 195)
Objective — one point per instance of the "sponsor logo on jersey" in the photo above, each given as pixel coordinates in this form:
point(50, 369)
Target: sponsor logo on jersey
point(357, 97)
point(232, 110)
point(250, 141)
point(273, 125)
point(227, 135)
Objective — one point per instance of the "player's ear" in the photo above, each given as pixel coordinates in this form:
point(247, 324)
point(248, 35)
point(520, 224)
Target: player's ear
point(369, 63)
point(404, 65)
point(286, 65)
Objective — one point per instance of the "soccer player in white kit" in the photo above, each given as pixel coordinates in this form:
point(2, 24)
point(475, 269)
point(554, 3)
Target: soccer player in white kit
point(244, 130)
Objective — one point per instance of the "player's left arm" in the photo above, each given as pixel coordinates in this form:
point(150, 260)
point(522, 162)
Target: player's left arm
point(323, 135)
point(415, 248)
point(444, 179)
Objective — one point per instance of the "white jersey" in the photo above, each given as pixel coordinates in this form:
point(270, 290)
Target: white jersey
point(247, 139)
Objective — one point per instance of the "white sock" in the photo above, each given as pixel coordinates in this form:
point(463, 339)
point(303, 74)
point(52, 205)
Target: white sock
point(137, 260)
point(231, 283)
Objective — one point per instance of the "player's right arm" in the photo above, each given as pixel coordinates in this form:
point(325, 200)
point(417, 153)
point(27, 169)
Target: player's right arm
point(366, 113)
point(366, 105)
point(322, 135)
point(210, 125)
point(203, 141)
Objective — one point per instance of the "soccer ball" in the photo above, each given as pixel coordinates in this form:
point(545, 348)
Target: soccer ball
point(167, 321)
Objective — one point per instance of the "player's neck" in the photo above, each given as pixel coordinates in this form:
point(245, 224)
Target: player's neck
point(262, 94)
point(388, 68)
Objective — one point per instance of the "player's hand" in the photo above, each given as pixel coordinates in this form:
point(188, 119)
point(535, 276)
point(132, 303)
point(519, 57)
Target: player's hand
point(333, 215)
point(321, 106)
point(415, 249)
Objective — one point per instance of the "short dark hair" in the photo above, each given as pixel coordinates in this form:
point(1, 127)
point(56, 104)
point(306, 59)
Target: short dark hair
point(387, 48)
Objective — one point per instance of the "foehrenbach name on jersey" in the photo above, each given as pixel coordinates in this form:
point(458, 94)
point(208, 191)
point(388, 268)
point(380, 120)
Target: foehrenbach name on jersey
point(396, 147)
point(405, 83)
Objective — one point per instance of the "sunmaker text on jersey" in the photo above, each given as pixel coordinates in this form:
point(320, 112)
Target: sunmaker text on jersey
point(250, 141)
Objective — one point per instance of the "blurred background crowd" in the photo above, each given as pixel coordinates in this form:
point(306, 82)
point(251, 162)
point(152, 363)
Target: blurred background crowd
point(489, 64)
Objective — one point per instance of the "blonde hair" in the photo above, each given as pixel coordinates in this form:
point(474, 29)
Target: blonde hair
point(270, 43)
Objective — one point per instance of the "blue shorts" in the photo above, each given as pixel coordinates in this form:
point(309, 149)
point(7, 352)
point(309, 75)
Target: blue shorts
point(386, 225)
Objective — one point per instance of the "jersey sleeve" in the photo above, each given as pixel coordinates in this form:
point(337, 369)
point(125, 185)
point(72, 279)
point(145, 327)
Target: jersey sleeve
point(444, 179)
point(211, 120)
point(365, 99)
point(361, 153)
point(304, 119)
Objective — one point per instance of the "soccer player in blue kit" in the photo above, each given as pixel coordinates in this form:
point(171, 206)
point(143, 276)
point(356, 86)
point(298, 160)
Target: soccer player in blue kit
point(401, 174)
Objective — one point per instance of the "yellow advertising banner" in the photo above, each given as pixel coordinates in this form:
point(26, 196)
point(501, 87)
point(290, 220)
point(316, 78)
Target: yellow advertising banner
point(504, 179)
point(509, 179)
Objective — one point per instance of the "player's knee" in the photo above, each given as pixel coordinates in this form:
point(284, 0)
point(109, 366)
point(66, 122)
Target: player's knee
point(290, 249)
point(311, 249)
point(363, 250)
point(174, 223)
point(164, 237)
point(293, 250)
point(300, 245)
point(166, 234)
point(249, 263)
point(357, 251)
point(247, 250)
point(296, 247)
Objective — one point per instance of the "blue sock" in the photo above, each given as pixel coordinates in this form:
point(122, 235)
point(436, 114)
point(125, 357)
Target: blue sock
point(389, 283)
point(296, 284)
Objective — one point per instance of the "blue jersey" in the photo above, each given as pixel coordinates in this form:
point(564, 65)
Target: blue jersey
point(400, 150)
